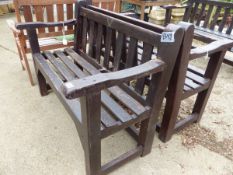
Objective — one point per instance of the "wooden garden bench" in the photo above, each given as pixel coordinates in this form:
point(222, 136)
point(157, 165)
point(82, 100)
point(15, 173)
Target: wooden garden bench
point(211, 24)
point(51, 11)
point(187, 80)
point(98, 95)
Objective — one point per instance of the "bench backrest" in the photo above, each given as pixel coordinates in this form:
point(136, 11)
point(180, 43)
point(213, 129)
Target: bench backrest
point(111, 5)
point(216, 15)
point(46, 11)
point(104, 35)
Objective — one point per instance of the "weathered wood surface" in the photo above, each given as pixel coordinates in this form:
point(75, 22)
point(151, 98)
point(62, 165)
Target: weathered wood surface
point(208, 27)
point(186, 79)
point(106, 65)
point(41, 11)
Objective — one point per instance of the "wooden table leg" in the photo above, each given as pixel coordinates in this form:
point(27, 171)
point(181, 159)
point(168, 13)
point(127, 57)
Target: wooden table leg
point(142, 12)
point(168, 17)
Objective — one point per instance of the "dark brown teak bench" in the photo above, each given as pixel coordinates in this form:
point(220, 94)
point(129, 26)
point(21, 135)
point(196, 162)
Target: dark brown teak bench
point(187, 80)
point(95, 79)
point(213, 20)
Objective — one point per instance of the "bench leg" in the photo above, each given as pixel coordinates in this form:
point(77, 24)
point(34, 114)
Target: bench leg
point(146, 136)
point(169, 118)
point(24, 58)
point(154, 99)
point(212, 71)
point(42, 84)
point(20, 56)
point(90, 110)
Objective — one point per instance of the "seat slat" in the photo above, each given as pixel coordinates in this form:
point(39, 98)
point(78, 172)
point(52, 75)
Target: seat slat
point(186, 88)
point(196, 70)
point(59, 66)
point(127, 100)
point(196, 78)
point(122, 96)
point(191, 84)
point(107, 119)
point(115, 108)
point(56, 83)
point(70, 64)
point(82, 62)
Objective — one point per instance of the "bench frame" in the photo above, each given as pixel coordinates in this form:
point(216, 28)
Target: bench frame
point(88, 89)
point(176, 91)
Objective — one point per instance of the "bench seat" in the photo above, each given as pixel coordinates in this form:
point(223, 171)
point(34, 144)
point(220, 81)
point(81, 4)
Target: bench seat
point(59, 67)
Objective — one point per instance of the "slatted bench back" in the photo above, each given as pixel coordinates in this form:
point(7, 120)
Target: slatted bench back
point(46, 11)
point(213, 13)
point(111, 5)
point(103, 38)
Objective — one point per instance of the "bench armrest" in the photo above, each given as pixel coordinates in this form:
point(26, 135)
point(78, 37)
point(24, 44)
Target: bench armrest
point(211, 48)
point(174, 6)
point(34, 25)
point(12, 25)
point(95, 83)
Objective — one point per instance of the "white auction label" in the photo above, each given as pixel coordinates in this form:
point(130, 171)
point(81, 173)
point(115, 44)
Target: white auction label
point(168, 37)
point(69, 85)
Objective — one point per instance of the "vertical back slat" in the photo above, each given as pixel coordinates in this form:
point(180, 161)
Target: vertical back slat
point(39, 16)
point(223, 22)
point(194, 12)
point(91, 38)
point(201, 14)
point(60, 14)
point(146, 56)
point(215, 18)
point(84, 34)
point(99, 42)
point(132, 53)
point(50, 16)
point(229, 30)
point(187, 13)
point(27, 13)
point(207, 18)
point(108, 45)
point(118, 54)
point(69, 12)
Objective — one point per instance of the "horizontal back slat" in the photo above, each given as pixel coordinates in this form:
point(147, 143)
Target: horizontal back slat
point(44, 2)
point(216, 3)
point(47, 11)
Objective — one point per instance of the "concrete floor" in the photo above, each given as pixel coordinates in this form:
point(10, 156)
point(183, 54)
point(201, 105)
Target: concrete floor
point(37, 136)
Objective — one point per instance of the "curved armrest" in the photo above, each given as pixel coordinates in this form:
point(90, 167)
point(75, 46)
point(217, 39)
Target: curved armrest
point(34, 25)
point(96, 83)
point(12, 25)
point(211, 48)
